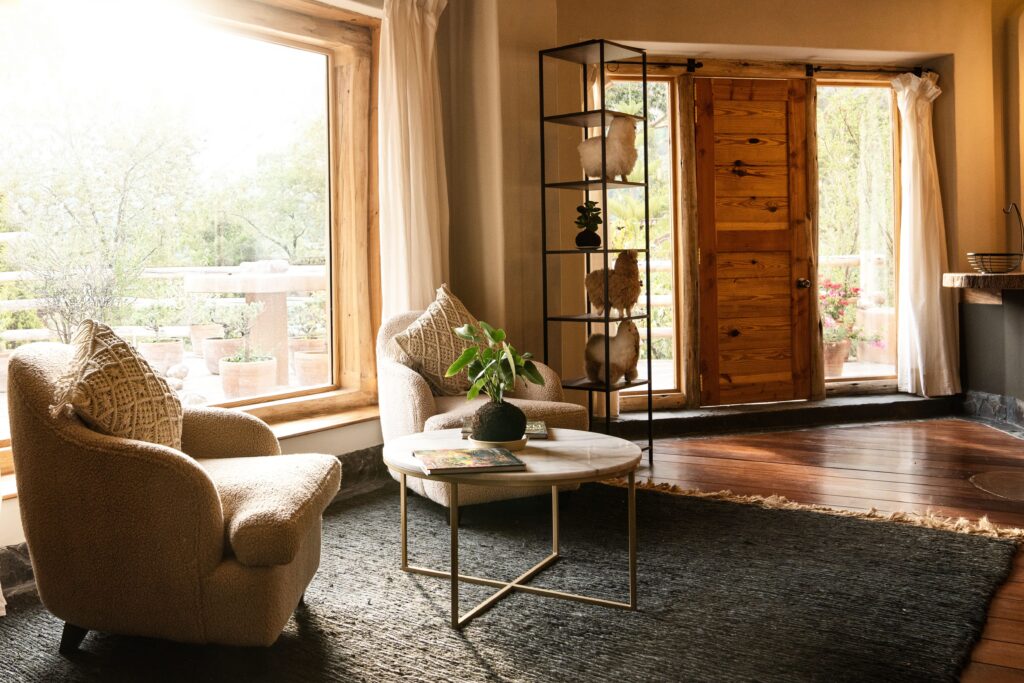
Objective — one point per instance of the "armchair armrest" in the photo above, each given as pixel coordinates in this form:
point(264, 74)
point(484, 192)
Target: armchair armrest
point(405, 399)
point(222, 433)
point(550, 391)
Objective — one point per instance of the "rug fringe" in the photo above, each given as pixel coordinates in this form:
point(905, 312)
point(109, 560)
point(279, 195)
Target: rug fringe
point(927, 519)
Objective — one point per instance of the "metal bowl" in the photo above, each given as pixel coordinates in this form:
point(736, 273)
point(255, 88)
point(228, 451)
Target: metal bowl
point(995, 262)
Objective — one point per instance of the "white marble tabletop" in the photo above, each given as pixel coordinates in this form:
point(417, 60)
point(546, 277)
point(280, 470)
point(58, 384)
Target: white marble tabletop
point(567, 456)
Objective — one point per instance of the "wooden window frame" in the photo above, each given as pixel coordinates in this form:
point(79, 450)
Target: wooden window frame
point(350, 43)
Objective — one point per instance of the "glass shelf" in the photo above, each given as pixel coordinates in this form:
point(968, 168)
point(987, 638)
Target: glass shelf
point(591, 185)
point(584, 384)
point(593, 251)
point(596, 318)
point(589, 52)
point(588, 119)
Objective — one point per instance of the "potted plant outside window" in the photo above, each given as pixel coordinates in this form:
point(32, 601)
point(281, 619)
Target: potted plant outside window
point(246, 372)
point(493, 366)
point(840, 329)
point(162, 352)
point(201, 326)
point(236, 319)
point(307, 326)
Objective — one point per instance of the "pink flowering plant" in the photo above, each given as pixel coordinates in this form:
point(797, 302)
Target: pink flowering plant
point(838, 303)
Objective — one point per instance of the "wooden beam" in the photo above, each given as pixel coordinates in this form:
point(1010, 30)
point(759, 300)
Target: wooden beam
point(688, 304)
point(274, 22)
point(665, 65)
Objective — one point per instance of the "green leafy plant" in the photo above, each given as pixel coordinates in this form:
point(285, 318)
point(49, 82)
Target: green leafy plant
point(156, 315)
point(590, 216)
point(237, 319)
point(309, 321)
point(492, 363)
point(247, 355)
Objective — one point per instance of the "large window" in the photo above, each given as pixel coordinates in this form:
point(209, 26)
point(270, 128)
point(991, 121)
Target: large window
point(626, 222)
point(857, 235)
point(171, 179)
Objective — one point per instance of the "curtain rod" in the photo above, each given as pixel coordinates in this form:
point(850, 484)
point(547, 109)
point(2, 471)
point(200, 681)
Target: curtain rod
point(810, 69)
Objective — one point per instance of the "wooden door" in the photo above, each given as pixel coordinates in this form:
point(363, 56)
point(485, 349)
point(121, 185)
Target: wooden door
point(754, 240)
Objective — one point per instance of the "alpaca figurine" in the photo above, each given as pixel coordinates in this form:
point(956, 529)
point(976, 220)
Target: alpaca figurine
point(620, 154)
point(624, 348)
point(623, 285)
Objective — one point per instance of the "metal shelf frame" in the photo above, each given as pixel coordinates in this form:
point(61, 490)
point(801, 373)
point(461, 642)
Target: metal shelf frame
point(597, 52)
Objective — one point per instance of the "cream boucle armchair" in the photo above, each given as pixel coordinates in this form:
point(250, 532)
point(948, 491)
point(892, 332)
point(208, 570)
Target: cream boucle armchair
point(408, 406)
point(204, 545)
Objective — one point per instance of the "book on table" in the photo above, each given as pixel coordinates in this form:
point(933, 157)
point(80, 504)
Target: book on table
point(468, 461)
point(535, 429)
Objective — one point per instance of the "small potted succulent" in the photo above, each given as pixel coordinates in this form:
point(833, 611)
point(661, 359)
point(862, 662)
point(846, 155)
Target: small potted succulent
point(588, 222)
point(493, 366)
point(162, 352)
point(236, 319)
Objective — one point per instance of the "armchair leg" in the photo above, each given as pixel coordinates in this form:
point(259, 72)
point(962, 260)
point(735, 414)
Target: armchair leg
point(71, 638)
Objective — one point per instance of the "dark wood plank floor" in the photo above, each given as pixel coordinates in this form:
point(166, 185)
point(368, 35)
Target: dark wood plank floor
point(901, 466)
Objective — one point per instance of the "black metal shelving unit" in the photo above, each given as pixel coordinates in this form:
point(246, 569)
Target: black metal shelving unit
point(597, 53)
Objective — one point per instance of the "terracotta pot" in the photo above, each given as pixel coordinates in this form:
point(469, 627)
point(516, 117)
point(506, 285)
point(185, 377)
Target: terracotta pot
point(836, 353)
point(200, 333)
point(5, 357)
point(306, 345)
point(242, 380)
point(312, 368)
point(216, 348)
point(163, 354)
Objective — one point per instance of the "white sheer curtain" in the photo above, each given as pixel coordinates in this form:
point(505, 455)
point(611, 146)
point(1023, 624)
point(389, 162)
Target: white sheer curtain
point(413, 187)
point(928, 355)
point(3, 603)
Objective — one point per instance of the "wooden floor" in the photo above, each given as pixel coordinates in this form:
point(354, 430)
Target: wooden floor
point(902, 466)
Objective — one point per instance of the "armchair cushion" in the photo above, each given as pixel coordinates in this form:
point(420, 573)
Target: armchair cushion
point(114, 391)
point(432, 346)
point(271, 503)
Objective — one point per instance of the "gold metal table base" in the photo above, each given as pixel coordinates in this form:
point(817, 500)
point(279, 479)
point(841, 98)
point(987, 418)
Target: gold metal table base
point(518, 583)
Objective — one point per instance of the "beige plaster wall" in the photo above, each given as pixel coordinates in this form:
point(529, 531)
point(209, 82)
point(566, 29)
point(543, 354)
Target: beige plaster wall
point(494, 135)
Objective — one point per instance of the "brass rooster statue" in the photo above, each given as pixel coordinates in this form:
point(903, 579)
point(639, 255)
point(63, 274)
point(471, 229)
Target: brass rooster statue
point(623, 285)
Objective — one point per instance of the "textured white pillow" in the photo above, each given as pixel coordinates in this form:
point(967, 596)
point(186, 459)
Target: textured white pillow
point(432, 346)
point(115, 391)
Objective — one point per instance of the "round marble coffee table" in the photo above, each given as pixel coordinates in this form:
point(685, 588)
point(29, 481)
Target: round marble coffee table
point(566, 457)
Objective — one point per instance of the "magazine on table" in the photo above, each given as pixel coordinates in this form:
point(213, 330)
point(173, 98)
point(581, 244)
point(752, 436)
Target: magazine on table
point(468, 460)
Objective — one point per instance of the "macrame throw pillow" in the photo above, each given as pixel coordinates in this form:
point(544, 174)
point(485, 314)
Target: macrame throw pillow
point(432, 346)
point(115, 391)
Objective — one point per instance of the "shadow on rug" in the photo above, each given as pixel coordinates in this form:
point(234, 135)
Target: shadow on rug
point(727, 592)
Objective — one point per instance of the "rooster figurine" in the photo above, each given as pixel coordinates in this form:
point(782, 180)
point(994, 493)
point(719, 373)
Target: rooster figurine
point(620, 150)
point(623, 285)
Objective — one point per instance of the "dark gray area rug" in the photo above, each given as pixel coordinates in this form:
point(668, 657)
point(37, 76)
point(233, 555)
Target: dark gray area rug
point(727, 592)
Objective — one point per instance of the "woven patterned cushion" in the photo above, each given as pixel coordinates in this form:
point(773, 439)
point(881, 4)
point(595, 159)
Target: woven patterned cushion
point(114, 391)
point(432, 346)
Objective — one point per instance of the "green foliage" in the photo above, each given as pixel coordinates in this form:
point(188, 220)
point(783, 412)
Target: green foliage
point(247, 355)
point(493, 365)
point(309, 320)
point(158, 314)
point(236, 318)
point(590, 216)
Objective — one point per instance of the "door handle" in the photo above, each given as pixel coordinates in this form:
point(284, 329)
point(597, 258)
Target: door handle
point(803, 283)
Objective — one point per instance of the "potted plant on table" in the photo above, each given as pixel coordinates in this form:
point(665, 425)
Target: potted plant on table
point(236, 321)
point(493, 366)
point(162, 352)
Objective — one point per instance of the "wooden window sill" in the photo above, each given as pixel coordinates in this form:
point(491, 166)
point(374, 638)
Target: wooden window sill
point(310, 425)
point(8, 487)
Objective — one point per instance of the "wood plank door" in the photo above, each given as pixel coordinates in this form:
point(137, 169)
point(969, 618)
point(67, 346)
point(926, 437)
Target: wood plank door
point(754, 240)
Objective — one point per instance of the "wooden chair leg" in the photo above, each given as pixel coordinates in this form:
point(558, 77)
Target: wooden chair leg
point(71, 638)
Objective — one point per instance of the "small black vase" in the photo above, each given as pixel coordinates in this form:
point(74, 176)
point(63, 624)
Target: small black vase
point(588, 239)
point(498, 422)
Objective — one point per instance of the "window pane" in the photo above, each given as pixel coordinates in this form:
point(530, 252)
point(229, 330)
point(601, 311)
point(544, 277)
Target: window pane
point(172, 182)
point(626, 211)
point(856, 231)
